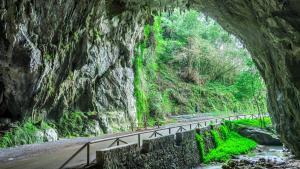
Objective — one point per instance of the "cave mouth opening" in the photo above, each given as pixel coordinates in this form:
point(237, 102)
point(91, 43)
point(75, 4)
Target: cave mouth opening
point(189, 64)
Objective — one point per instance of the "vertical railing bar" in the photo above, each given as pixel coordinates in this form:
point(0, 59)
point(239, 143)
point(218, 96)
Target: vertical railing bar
point(88, 154)
point(139, 139)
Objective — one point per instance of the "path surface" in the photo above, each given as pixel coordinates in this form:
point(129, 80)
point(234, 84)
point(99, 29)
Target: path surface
point(53, 155)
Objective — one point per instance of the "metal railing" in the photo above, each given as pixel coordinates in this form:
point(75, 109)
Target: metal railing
point(117, 140)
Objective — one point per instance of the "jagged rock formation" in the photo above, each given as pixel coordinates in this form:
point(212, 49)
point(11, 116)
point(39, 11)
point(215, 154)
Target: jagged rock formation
point(60, 55)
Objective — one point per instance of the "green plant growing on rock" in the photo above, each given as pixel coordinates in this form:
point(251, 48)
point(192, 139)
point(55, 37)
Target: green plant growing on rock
point(235, 144)
point(224, 131)
point(22, 134)
point(200, 145)
point(26, 132)
point(228, 143)
point(258, 123)
point(216, 137)
point(71, 124)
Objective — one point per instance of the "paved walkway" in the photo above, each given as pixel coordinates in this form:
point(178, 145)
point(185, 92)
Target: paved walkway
point(53, 155)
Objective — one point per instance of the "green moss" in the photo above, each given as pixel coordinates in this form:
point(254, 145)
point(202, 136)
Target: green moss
point(200, 145)
point(216, 137)
point(139, 86)
point(48, 57)
point(228, 143)
point(235, 144)
point(259, 123)
point(224, 131)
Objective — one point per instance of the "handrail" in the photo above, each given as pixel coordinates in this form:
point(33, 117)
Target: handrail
point(154, 131)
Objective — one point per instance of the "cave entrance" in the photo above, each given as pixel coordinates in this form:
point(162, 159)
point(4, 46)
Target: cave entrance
point(188, 64)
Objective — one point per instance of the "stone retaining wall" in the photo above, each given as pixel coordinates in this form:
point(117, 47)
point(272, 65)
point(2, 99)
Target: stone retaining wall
point(168, 152)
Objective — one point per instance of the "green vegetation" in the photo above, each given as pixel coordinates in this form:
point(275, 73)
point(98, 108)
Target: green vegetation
point(228, 143)
point(24, 133)
point(235, 144)
point(188, 64)
point(259, 123)
point(75, 124)
point(200, 145)
point(71, 124)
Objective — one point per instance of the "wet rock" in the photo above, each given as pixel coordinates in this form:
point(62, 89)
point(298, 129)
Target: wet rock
point(51, 135)
point(262, 137)
point(39, 135)
point(4, 122)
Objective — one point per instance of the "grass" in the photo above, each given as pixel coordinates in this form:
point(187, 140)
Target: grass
point(228, 143)
point(258, 123)
point(24, 133)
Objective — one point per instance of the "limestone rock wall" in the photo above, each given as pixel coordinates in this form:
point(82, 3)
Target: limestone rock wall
point(64, 56)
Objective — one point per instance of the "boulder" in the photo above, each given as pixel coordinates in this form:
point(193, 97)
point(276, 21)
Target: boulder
point(261, 136)
point(51, 135)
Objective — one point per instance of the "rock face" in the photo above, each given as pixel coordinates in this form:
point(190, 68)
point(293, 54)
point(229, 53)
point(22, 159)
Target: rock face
point(62, 56)
point(57, 56)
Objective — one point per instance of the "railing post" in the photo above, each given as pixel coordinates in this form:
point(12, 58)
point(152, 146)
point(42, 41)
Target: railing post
point(139, 139)
point(88, 154)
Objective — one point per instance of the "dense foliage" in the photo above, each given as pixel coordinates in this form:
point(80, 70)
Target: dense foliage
point(188, 64)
